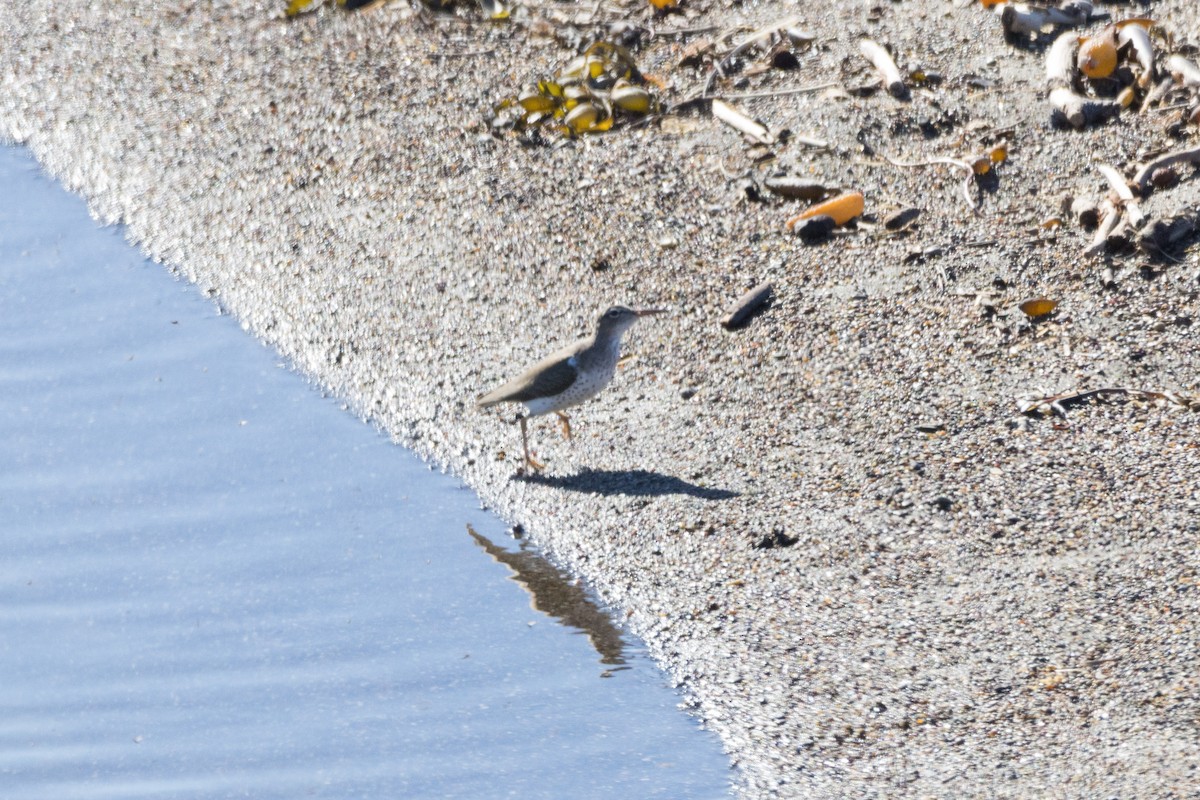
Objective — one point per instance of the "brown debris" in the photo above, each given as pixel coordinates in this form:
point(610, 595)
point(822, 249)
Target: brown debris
point(748, 305)
point(1142, 178)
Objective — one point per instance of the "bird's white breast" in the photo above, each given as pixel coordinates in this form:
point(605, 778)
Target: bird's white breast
point(587, 385)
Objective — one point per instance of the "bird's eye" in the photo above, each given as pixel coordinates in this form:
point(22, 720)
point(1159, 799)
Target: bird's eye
point(614, 313)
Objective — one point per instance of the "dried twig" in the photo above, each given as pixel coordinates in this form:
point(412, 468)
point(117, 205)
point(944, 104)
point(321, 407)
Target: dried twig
point(465, 54)
point(1032, 20)
point(882, 59)
point(664, 33)
point(1158, 93)
point(1058, 403)
point(1184, 70)
point(777, 93)
point(1142, 178)
point(1080, 111)
point(747, 305)
point(968, 182)
point(1112, 215)
point(1124, 194)
point(742, 123)
point(744, 45)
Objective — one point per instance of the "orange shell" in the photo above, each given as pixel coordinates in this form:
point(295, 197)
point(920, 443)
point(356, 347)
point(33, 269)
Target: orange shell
point(842, 208)
point(1098, 55)
point(1038, 307)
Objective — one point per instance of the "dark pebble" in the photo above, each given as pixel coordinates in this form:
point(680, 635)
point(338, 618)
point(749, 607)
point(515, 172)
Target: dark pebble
point(815, 229)
point(901, 219)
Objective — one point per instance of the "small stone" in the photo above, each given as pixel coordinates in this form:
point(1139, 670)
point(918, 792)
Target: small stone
point(815, 229)
point(901, 219)
point(1164, 177)
point(748, 305)
point(795, 188)
point(776, 538)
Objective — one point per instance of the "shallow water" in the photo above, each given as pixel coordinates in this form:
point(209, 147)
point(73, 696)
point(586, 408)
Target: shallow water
point(215, 583)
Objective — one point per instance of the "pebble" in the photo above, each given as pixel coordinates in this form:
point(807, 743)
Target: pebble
point(815, 229)
point(748, 305)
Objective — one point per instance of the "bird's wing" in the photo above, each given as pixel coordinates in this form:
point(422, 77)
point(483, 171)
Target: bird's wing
point(550, 376)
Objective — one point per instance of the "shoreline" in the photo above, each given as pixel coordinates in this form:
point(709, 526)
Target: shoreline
point(869, 573)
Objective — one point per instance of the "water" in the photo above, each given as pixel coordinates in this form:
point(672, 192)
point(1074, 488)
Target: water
point(216, 583)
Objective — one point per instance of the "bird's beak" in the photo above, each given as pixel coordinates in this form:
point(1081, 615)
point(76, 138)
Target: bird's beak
point(650, 312)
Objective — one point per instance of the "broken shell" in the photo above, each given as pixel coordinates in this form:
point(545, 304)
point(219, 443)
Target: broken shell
point(981, 165)
point(1020, 21)
point(628, 97)
point(582, 118)
point(1059, 60)
point(841, 209)
point(1098, 55)
point(999, 153)
point(1039, 307)
point(800, 36)
point(534, 101)
point(494, 9)
point(594, 64)
point(574, 71)
point(576, 92)
point(1138, 38)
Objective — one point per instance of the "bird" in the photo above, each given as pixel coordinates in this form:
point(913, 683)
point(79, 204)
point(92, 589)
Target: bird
point(570, 376)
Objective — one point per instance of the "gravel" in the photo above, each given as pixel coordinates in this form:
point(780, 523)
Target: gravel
point(866, 569)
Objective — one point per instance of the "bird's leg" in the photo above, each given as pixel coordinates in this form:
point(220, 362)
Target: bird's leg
point(566, 424)
point(536, 466)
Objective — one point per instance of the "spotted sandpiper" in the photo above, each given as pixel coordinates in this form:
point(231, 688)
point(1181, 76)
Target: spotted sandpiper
point(570, 376)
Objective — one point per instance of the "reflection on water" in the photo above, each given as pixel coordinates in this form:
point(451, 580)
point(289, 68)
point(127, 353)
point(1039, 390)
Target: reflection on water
point(215, 584)
point(554, 592)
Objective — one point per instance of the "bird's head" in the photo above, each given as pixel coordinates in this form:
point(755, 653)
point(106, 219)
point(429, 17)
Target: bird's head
point(617, 319)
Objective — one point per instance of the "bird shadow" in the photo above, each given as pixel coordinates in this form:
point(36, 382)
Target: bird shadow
point(631, 482)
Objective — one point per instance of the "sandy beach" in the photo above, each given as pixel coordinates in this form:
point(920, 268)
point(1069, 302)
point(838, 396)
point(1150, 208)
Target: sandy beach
point(894, 538)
